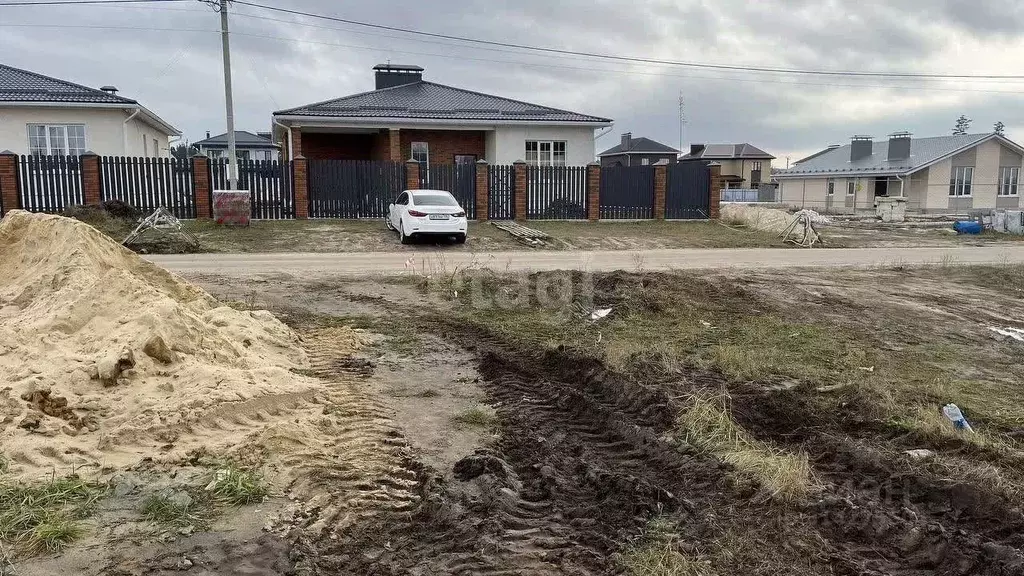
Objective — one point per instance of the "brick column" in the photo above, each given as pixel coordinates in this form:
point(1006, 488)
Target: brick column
point(90, 166)
point(394, 145)
point(412, 175)
point(716, 190)
point(660, 188)
point(593, 191)
point(296, 142)
point(519, 196)
point(201, 186)
point(483, 191)
point(300, 182)
point(9, 196)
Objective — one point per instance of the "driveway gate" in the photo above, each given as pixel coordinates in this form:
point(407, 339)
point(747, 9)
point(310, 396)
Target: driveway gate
point(688, 194)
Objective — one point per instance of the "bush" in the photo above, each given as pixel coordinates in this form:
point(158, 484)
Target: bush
point(121, 209)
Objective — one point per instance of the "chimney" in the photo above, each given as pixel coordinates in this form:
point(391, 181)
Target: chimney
point(696, 149)
point(625, 141)
point(391, 75)
point(899, 146)
point(207, 134)
point(109, 89)
point(861, 148)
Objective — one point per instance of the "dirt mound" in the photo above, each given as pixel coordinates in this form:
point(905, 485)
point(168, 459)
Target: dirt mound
point(106, 358)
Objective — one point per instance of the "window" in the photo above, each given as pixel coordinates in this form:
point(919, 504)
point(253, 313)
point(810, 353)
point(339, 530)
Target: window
point(851, 188)
point(145, 146)
point(545, 153)
point(644, 161)
point(56, 139)
point(156, 148)
point(421, 153)
point(403, 199)
point(755, 166)
point(831, 187)
point(960, 181)
point(214, 153)
point(1008, 180)
point(433, 200)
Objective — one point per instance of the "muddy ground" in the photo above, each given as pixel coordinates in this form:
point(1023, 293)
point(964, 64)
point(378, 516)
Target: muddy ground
point(501, 434)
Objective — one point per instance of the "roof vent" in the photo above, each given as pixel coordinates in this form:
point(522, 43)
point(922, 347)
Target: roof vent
point(109, 89)
point(899, 146)
point(861, 148)
point(391, 75)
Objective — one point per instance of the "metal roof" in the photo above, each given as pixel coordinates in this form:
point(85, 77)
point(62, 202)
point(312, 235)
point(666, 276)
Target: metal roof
point(730, 151)
point(640, 145)
point(17, 85)
point(242, 139)
point(923, 151)
point(428, 100)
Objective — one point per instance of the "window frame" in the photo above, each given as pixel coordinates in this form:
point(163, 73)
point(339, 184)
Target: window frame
point(830, 187)
point(755, 165)
point(961, 182)
point(1012, 183)
point(425, 151)
point(851, 188)
point(47, 136)
point(557, 152)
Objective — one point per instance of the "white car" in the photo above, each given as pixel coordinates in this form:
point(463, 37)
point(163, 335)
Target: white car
point(426, 213)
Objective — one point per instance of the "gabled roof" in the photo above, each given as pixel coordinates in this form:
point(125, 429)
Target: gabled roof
point(17, 85)
point(640, 145)
point(243, 139)
point(923, 153)
point(431, 101)
point(730, 151)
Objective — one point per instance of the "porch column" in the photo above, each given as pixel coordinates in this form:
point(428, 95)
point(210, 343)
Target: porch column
point(395, 144)
point(594, 191)
point(301, 185)
point(716, 190)
point(412, 175)
point(660, 188)
point(519, 203)
point(296, 143)
point(9, 195)
point(483, 194)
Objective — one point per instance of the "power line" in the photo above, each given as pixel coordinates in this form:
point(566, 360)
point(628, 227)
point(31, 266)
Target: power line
point(72, 2)
point(634, 59)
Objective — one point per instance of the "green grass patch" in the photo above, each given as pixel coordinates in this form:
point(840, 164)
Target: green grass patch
point(45, 516)
point(237, 487)
point(478, 417)
point(178, 510)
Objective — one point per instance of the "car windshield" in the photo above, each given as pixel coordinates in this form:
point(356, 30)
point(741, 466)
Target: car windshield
point(434, 200)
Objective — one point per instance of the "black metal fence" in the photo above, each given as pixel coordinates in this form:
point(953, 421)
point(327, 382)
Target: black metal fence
point(501, 192)
point(556, 192)
point(688, 191)
point(148, 183)
point(627, 192)
point(353, 188)
point(269, 182)
point(458, 179)
point(49, 183)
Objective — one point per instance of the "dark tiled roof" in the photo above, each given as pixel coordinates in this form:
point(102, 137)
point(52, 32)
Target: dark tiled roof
point(17, 85)
point(242, 139)
point(922, 151)
point(427, 100)
point(728, 151)
point(641, 145)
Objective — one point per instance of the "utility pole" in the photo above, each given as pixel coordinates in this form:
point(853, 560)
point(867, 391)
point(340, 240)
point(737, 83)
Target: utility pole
point(229, 105)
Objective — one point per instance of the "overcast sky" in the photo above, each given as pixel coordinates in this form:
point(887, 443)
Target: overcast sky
point(168, 57)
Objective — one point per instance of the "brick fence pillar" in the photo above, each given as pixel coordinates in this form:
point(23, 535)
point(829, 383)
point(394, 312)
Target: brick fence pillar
point(90, 167)
point(660, 188)
point(716, 190)
point(519, 195)
point(300, 182)
point(9, 196)
point(412, 175)
point(201, 187)
point(593, 191)
point(483, 191)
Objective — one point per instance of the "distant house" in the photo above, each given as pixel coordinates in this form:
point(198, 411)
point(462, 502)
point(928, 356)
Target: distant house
point(248, 146)
point(407, 117)
point(637, 152)
point(45, 116)
point(743, 165)
point(936, 174)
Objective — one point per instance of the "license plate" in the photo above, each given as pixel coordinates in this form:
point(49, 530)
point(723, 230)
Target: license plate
point(438, 216)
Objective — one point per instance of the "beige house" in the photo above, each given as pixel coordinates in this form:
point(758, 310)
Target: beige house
point(937, 174)
point(743, 165)
point(45, 116)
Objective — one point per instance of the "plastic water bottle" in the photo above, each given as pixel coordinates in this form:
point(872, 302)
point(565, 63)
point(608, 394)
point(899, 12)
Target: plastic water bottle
point(952, 411)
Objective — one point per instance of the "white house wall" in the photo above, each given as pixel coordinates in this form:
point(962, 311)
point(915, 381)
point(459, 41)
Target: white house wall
point(104, 133)
point(510, 143)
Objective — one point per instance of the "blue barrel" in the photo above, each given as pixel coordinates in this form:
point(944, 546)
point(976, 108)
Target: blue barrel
point(967, 227)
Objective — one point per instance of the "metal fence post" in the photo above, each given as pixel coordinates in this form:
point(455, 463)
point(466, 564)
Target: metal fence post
point(9, 194)
point(660, 188)
point(593, 191)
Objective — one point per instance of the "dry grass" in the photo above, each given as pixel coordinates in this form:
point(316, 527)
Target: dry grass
point(706, 423)
point(657, 553)
point(478, 416)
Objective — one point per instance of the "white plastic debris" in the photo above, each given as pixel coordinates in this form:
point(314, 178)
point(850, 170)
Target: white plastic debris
point(600, 313)
point(952, 411)
point(920, 454)
point(1015, 333)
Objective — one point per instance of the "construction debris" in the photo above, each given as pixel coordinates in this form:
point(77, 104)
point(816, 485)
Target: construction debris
point(522, 233)
point(801, 230)
point(160, 225)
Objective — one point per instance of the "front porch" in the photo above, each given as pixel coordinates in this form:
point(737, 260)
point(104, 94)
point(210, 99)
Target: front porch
point(432, 147)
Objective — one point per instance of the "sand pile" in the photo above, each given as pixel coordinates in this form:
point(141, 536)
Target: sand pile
point(106, 359)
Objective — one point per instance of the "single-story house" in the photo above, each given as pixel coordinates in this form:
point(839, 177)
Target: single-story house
point(936, 174)
point(46, 116)
point(743, 165)
point(248, 146)
point(407, 117)
point(637, 152)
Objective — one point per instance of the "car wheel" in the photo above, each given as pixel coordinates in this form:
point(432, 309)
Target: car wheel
point(401, 235)
point(460, 238)
point(387, 222)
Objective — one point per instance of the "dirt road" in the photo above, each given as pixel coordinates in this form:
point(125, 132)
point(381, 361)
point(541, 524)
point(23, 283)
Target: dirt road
point(398, 262)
